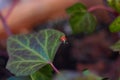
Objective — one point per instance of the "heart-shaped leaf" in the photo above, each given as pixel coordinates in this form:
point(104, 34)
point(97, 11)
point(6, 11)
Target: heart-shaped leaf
point(78, 7)
point(80, 20)
point(28, 53)
point(115, 26)
point(44, 73)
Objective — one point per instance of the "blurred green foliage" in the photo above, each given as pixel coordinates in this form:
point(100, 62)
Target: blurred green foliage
point(69, 75)
point(115, 4)
point(115, 25)
point(81, 21)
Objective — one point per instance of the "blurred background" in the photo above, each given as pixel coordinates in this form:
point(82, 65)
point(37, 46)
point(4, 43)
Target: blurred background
point(81, 51)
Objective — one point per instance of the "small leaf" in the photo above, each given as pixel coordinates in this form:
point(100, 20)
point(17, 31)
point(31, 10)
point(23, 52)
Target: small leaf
point(115, 26)
point(43, 74)
point(19, 78)
point(80, 20)
point(116, 46)
point(114, 4)
point(28, 53)
point(82, 23)
point(78, 7)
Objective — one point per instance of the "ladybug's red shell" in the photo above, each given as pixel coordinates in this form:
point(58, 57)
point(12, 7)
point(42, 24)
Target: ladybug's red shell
point(63, 39)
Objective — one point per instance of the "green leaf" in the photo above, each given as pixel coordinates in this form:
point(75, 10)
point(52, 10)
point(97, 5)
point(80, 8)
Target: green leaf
point(28, 53)
point(116, 46)
point(78, 7)
point(82, 23)
point(114, 4)
point(43, 74)
point(80, 20)
point(115, 26)
point(19, 78)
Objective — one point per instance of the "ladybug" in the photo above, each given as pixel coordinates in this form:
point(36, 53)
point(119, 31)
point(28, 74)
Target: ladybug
point(63, 39)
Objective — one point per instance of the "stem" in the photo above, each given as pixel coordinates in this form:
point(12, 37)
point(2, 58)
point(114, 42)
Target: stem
point(4, 22)
point(91, 9)
point(31, 77)
point(54, 68)
point(6, 27)
point(11, 8)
